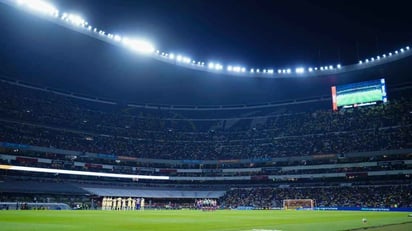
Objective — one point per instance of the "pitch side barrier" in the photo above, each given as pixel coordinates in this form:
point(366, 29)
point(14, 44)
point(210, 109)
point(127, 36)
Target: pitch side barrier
point(360, 209)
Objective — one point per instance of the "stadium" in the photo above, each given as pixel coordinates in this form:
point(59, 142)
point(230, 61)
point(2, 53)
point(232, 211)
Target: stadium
point(101, 130)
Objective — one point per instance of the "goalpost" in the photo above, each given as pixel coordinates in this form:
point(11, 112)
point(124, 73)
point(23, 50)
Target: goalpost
point(298, 204)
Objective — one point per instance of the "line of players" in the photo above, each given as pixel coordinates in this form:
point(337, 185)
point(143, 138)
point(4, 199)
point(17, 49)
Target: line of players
point(109, 203)
point(206, 204)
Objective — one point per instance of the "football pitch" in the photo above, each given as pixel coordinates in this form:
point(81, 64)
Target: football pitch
point(224, 220)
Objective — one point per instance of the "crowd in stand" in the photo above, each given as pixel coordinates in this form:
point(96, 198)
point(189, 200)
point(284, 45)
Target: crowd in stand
point(399, 196)
point(39, 118)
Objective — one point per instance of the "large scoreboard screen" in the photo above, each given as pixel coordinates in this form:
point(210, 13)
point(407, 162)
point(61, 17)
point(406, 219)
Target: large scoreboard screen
point(359, 94)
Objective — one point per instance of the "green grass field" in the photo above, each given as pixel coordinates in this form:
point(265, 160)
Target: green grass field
point(198, 220)
point(359, 97)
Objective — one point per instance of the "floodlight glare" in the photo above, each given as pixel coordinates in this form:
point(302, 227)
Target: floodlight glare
point(252, 70)
point(300, 70)
point(138, 45)
point(172, 56)
point(117, 38)
point(402, 50)
point(310, 69)
point(229, 68)
point(270, 71)
point(243, 69)
point(339, 66)
point(279, 71)
point(407, 48)
point(39, 7)
point(288, 71)
point(76, 20)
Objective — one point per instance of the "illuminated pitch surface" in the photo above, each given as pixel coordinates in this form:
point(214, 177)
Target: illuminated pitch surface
point(197, 220)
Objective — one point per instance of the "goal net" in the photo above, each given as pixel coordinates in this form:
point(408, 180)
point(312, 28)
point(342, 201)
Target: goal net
point(298, 204)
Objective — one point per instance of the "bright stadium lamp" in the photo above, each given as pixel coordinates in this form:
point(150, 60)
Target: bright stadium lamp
point(310, 69)
point(76, 20)
point(339, 66)
point(288, 71)
point(402, 50)
point(279, 71)
point(39, 7)
point(243, 69)
point(300, 70)
point(252, 70)
point(229, 68)
point(407, 47)
point(270, 71)
point(360, 62)
point(138, 45)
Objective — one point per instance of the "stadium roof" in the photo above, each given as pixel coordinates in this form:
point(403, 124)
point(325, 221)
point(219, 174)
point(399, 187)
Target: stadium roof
point(38, 51)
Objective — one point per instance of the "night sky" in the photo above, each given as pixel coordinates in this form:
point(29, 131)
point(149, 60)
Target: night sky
point(258, 33)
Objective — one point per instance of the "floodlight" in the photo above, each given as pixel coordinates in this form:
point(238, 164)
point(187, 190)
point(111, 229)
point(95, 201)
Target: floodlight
point(407, 48)
point(390, 53)
point(279, 71)
point(76, 20)
point(39, 7)
point(310, 69)
point(243, 69)
point(139, 45)
point(402, 50)
point(299, 70)
point(339, 66)
point(252, 70)
point(229, 68)
point(117, 38)
point(288, 71)
point(171, 56)
point(330, 67)
point(270, 71)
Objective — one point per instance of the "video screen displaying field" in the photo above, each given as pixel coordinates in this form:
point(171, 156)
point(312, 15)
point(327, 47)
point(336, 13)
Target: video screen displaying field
point(359, 94)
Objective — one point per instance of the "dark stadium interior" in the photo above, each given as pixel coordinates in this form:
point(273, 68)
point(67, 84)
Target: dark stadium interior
point(77, 105)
